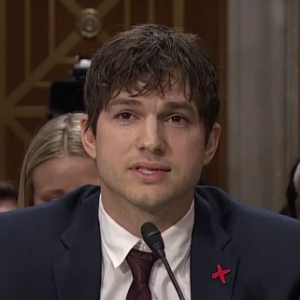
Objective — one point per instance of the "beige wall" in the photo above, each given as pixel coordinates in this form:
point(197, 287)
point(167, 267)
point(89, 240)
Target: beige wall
point(263, 99)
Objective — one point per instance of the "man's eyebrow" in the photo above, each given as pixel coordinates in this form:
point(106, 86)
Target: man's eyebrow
point(125, 101)
point(180, 106)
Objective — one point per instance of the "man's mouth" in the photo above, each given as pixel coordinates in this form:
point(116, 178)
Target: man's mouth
point(149, 171)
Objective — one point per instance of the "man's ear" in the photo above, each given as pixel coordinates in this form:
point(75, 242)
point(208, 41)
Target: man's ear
point(88, 138)
point(212, 143)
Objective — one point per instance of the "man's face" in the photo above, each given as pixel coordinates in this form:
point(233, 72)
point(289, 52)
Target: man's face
point(150, 149)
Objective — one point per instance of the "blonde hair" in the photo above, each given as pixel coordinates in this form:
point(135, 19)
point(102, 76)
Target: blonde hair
point(58, 137)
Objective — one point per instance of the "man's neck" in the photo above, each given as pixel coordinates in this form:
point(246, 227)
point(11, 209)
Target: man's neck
point(131, 217)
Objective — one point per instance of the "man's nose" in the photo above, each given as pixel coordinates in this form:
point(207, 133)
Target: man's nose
point(151, 136)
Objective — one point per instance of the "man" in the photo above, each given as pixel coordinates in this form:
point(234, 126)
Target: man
point(8, 197)
point(152, 101)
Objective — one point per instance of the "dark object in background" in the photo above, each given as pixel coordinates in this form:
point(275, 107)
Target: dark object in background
point(67, 96)
point(8, 196)
point(8, 190)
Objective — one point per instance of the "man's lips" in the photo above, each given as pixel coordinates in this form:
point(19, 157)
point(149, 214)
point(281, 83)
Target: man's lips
point(150, 167)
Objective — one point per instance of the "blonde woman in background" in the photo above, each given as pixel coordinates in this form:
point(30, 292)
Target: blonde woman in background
point(55, 162)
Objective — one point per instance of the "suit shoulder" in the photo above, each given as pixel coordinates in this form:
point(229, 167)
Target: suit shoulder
point(240, 218)
point(43, 218)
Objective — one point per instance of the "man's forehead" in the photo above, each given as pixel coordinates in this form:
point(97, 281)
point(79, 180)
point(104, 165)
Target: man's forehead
point(165, 96)
point(168, 102)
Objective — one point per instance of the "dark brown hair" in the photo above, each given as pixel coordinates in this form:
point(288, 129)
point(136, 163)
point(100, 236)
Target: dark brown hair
point(8, 191)
point(158, 57)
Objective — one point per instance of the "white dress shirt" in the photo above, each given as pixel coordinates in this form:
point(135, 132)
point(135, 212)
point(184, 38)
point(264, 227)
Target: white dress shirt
point(116, 244)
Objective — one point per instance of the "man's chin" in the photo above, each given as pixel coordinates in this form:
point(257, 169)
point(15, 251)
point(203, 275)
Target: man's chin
point(149, 200)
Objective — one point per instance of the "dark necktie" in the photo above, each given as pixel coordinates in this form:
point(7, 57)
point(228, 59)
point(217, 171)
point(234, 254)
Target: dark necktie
point(141, 264)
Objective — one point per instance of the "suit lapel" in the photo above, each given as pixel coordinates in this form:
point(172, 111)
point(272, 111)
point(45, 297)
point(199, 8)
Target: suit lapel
point(210, 264)
point(77, 263)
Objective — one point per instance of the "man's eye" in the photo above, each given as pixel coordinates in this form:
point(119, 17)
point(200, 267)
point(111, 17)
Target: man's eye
point(177, 119)
point(124, 116)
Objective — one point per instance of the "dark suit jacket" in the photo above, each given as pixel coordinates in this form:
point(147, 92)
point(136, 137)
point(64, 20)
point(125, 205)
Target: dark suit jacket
point(53, 251)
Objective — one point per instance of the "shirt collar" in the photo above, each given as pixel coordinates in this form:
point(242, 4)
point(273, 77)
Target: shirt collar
point(117, 241)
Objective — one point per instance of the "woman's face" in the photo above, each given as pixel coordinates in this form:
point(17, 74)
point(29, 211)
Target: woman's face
point(58, 176)
point(8, 204)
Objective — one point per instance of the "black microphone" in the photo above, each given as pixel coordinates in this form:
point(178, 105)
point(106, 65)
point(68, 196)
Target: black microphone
point(154, 240)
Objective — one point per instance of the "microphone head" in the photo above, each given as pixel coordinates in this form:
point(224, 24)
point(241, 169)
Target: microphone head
point(152, 237)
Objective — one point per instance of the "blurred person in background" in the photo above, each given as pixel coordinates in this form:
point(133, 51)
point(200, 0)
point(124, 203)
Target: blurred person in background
point(55, 162)
point(8, 196)
point(292, 192)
